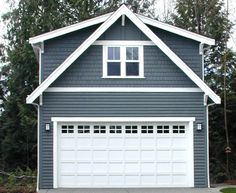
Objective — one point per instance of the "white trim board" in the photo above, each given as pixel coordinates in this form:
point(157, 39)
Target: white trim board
point(123, 43)
point(68, 29)
point(101, 19)
point(123, 10)
point(122, 119)
point(121, 89)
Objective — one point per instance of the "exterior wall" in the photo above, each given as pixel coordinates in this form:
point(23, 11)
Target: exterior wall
point(126, 105)
point(159, 71)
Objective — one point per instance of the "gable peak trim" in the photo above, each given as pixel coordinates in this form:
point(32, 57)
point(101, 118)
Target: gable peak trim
point(123, 10)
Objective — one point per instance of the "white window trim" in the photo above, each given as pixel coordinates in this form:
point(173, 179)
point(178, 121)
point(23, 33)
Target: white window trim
point(123, 60)
point(57, 120)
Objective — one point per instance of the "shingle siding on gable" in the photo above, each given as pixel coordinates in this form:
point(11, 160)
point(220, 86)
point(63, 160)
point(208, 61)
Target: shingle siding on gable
point(186, 49)
point(58, 49)
point(123, 105)
point(159, 71)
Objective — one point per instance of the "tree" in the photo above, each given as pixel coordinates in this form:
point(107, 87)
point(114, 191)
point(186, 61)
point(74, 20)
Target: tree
point(19, 77)
point(208, 18)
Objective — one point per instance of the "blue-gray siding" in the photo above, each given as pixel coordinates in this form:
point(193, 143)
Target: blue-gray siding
point(122, 104)
point(159, 71)
point(58, 49)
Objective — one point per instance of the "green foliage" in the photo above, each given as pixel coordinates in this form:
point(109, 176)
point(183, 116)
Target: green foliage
point(207, 17)
point(228, 190)
point(19, 75)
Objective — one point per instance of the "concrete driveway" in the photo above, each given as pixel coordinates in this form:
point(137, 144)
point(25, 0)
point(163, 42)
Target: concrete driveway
point(132, 190)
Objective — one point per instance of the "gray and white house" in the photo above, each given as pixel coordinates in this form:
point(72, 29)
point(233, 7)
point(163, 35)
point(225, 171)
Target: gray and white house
point(122, 103)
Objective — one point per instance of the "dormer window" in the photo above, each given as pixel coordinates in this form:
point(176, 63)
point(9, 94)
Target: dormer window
point(123, 62)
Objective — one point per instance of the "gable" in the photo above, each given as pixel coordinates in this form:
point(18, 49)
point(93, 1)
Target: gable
point(123, 10)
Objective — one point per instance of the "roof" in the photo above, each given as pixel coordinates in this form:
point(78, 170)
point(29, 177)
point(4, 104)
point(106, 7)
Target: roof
point(103, 18)
point(123, 10)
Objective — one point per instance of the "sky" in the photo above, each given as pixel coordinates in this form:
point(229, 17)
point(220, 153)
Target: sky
point(163, 7)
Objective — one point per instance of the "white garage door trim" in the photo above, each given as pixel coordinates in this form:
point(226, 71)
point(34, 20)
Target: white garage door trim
point(188, 120)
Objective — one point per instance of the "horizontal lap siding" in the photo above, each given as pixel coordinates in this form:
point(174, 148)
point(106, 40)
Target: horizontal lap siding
point(122, 105)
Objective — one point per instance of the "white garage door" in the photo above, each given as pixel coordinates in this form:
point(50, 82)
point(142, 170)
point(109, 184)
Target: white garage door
point(124, 155)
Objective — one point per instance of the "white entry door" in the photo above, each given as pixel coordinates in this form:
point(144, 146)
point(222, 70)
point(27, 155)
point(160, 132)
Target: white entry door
point(125, 155)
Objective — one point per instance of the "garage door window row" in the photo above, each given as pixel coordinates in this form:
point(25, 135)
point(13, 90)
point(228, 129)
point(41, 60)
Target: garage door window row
point(128, 129)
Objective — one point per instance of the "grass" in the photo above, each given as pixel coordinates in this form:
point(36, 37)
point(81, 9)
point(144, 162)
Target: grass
point(228, 190)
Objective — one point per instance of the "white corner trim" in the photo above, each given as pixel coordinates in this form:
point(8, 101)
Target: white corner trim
point(190, 153)
point(123, 43)
point(122, 119)
point(55, 157)
point(93, 37)
point(121, 89)
point(176, 30)
point(68, 29)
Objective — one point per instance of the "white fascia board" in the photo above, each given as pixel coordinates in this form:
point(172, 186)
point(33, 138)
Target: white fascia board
point(123, 10)
point(176, 30)
point(68, 29)
point(122, 119)
point(122, 89)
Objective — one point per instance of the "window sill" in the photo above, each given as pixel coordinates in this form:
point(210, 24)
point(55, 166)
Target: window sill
point(125, 77)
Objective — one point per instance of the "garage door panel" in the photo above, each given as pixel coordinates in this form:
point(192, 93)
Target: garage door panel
point(100, 142)
point(85, 154)
point(164, 167)
point(115, 141)
point(148, 167)
point(148, 155)
point(68, 155)
point(123, 155)
point(116, 167)
point(116, 155)
point(163, 155)
point(116, 180)
point(84, 167)
point(179, 167)
point(84, 142)
point(148, 179)
point(100, 155)
point(163, 142)
point(148, 142)
point(131, 155)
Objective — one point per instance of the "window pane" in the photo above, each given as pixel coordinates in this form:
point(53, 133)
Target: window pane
point(113, 53)
point(132, 68)
point(132, 53)
point(113, 68)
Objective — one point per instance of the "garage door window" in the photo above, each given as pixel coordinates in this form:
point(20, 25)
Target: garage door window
point(146, 129)
point(178, 129)
point(163, 129)
point(131, 129)
point(99, 129)
point(83, 129)
point(115, 129)
point(67, 129)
